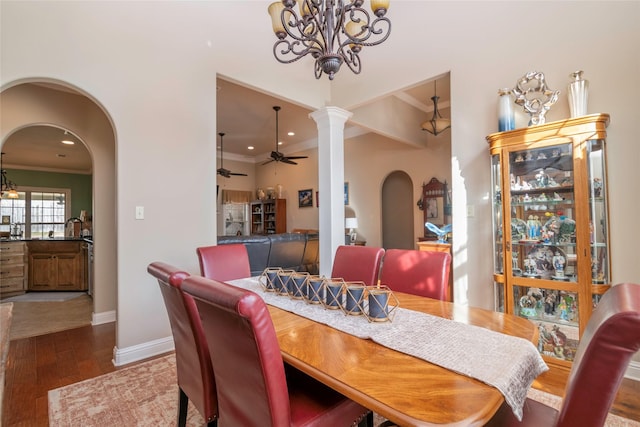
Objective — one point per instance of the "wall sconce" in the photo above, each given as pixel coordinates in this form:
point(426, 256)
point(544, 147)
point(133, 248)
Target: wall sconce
point(351, 224)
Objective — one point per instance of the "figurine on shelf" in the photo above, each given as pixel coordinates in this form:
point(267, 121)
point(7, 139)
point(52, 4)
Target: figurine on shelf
point(533, 227)
point(550, 304)
point(558, 264)
point(597, 187)
point(564, 310)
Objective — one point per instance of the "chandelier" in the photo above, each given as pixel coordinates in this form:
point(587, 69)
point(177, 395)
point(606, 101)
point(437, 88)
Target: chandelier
point(7, 186)
point(332, 31)
point(437, 124)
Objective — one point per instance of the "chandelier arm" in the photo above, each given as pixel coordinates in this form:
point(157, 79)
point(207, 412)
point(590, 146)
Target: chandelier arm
point(351, 58)
point(305, 35)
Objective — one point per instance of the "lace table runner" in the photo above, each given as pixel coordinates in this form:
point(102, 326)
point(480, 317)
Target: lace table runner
point(507, 363)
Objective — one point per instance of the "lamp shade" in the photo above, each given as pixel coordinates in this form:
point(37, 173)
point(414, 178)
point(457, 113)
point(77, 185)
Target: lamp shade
point(351, 223)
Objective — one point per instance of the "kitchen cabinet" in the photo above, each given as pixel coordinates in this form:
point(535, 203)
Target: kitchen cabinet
point(269, 216)
point(57, 265)
point(12, 268)
point(550, 227)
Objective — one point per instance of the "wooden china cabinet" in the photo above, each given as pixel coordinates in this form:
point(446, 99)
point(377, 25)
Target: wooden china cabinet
point(550, 227)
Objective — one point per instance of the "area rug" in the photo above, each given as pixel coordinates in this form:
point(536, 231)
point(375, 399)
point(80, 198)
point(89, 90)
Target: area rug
point(45, 297)
point(32, 319)
point(146, 394)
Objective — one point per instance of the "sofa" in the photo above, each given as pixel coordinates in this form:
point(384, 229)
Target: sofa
point(292, 251)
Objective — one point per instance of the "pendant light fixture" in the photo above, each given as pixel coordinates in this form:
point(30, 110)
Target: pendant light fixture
point(333, 32)
point(437, 124)
point(7, 186)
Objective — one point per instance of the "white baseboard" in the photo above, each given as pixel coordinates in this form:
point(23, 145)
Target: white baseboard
point(633, 371)
point(104, 317)
point(123, 356)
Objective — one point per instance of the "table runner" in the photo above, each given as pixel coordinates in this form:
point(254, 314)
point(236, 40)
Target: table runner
point(507, 363)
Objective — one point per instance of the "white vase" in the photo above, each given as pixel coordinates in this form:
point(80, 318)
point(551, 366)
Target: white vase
point(578, 94)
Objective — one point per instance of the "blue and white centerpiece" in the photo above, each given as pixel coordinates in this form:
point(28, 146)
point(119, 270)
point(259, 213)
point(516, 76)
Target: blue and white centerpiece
point(442, 233)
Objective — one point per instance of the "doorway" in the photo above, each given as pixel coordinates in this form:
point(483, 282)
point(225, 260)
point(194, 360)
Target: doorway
point(61, 106)
point(397, 211)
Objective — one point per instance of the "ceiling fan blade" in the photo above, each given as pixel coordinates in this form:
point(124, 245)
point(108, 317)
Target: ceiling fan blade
point(268, 161)
point(286, 160)
point(238, 174)
point(296, 157)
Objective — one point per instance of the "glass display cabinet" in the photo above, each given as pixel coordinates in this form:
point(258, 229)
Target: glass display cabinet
point(549, 205)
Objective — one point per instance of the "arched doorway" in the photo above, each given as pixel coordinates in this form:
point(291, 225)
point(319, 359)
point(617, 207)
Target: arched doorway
point(60, 105)
point(397, 211)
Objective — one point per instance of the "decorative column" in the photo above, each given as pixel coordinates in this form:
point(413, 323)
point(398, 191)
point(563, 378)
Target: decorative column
point(330, 121)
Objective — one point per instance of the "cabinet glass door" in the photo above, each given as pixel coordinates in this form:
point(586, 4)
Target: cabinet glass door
point(543, 245)
point(498, 232)
point(598, 212)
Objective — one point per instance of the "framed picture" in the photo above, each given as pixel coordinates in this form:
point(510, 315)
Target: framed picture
point(432, 207)
point(346, 193)
point(6, 219)
point(305, 198)
point(317, 200)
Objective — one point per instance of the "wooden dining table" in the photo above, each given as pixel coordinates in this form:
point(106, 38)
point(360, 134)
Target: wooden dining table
point(404, 389)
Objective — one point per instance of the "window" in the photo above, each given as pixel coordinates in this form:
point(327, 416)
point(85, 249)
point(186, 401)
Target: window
point(38, 212)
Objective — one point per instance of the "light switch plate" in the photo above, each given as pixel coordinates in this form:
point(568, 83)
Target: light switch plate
point(139, 212)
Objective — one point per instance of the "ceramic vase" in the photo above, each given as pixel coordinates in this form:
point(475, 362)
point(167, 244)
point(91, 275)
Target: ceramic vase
point(506, 114)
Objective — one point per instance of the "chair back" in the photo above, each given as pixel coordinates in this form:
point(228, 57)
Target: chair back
point(193, 364)
point(224, 262)
point(424, 273)
point(252, 387)
point(358, 263)
point(611, 338)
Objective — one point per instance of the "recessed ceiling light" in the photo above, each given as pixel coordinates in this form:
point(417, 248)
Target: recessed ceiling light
point(67, 142)
point(251, 147)
point(291, 133)
point(279, 142)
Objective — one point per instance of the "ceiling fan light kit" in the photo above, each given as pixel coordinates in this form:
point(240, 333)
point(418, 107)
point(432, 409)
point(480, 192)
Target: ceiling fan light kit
point(277, 156)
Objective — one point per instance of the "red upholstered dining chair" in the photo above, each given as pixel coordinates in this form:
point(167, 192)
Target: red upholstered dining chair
point(610, 339)
point(193, 364)
point(357, 264)
point(224, 262)
point(254, 387)
point(424, 273)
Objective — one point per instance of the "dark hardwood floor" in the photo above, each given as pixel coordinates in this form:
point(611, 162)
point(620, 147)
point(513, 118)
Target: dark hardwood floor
point(39, 364)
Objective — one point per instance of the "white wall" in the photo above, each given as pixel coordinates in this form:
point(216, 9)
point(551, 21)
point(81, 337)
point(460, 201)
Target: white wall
point(153, 66)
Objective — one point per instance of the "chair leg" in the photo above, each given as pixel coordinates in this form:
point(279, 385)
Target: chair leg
point(213, 423)
point(183, 404)
point(367, 421)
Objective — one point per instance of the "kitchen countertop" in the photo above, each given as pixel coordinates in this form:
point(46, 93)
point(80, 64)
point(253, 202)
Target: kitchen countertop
point(87, 239)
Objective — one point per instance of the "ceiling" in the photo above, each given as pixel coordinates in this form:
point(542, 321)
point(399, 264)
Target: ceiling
point(246, 116)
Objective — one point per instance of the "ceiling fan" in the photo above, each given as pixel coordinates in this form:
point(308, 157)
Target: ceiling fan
point(277, 156)
point(221, 170)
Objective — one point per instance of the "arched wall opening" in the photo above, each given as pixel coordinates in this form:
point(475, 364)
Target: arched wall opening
point(37, 101)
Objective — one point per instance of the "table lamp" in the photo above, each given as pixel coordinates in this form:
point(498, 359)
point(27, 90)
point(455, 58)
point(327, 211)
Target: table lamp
point(351, 224)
